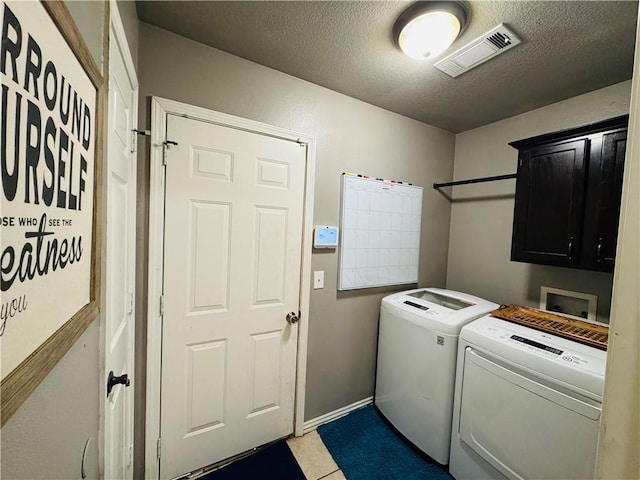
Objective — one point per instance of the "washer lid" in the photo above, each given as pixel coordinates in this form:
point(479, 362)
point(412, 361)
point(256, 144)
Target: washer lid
point(433, 297)
point(444, 311)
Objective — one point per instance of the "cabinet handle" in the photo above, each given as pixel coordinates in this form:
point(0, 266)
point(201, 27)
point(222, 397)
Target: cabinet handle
point(599, 250)
point(570, 249)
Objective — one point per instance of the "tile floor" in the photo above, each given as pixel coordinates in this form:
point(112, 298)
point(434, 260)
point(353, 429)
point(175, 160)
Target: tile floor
point(314, 458)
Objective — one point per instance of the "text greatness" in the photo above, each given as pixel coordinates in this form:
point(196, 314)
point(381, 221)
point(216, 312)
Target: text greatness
point(47, 165)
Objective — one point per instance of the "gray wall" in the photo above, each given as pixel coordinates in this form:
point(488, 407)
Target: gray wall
point(352, 136)
point(482, 214)
point(45, 438)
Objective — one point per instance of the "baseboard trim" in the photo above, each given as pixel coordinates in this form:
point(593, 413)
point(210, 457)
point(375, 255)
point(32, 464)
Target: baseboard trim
point(314, 423)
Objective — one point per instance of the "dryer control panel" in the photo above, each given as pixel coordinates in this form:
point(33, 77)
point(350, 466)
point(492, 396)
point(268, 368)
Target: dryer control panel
point(552, 347)
point(546, 353)
point(565, 356)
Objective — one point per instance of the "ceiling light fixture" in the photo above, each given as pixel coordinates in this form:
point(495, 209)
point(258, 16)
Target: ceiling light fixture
point(426, 29)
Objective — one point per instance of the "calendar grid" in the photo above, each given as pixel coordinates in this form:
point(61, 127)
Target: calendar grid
point(380, 224)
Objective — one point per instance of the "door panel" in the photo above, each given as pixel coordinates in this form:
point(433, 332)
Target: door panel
point(266, 365)
point(206, 367)
point(233, 232)
point(270, 256)
point(548, 212)
point(209, 284)
point(120, 261)
point(614, 146)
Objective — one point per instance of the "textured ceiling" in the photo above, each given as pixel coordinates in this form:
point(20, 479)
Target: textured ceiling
point(568, 48)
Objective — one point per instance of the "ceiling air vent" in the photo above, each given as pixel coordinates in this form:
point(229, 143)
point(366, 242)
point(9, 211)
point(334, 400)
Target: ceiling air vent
point(492, 43)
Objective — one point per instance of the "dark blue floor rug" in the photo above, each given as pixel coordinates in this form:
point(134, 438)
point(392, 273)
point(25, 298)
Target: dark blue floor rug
point(366, 448)
point(275, 462)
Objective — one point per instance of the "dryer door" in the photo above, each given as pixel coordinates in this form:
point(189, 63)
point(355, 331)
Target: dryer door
point(526, 427)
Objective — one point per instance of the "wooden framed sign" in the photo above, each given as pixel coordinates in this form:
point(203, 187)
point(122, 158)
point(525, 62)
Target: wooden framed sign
point(50, 163)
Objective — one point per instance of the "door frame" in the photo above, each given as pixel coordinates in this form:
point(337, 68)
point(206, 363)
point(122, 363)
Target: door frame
point(116, 33)
point(160, 108)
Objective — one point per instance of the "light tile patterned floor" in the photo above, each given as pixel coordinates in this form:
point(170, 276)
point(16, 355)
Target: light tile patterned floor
point(314, 458)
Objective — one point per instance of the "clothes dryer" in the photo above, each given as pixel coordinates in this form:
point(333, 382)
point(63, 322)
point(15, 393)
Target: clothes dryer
point(527, 404)
point(417, 345)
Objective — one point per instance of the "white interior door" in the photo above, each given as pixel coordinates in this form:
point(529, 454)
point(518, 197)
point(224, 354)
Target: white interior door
point(120, 261)
point(233, 233)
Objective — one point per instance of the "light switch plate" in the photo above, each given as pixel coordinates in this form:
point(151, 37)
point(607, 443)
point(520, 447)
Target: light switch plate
point(318, 279)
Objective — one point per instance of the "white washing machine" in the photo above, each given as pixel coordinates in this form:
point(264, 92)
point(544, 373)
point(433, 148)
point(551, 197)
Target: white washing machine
point(527, 404)
point(417, 344)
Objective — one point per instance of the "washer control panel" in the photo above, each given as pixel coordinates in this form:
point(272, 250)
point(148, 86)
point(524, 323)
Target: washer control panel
point(427, 309)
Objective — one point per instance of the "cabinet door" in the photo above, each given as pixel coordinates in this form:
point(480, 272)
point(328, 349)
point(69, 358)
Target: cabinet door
point(549, 204)
point(600, 246)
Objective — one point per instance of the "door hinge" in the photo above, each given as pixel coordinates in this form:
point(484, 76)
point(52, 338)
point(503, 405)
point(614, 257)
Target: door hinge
point(132, 302)
point(162, 305)
point(134, 138)
point(158, 447)
point(165, 146)
point(164, 154)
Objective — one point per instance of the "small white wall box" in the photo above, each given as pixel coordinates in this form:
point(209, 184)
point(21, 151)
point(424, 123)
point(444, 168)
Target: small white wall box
point(325, 236)
point(578, 304)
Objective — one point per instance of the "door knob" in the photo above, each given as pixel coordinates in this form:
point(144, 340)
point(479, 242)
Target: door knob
point(292, 317)
point(112, 381)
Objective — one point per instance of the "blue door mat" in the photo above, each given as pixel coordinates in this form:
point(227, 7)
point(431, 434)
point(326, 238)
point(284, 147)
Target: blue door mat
point(366, 448)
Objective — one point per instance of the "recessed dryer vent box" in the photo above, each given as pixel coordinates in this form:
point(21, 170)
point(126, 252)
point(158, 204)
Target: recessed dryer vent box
point(577, 304)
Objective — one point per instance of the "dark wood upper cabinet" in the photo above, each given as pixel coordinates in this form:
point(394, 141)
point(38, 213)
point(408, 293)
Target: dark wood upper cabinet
point(606, 183)
point(568, 191)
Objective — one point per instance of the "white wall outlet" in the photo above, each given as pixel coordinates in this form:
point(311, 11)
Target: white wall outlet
point(318, 279)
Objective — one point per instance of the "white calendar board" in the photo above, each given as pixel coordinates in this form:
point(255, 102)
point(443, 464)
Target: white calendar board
point(380, 232)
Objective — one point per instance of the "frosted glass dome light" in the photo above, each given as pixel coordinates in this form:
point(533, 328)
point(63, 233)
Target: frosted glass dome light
point(426, 29)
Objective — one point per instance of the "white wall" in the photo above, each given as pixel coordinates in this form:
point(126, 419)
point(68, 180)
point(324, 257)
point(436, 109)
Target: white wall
point(619, 442)
point(482, 214)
